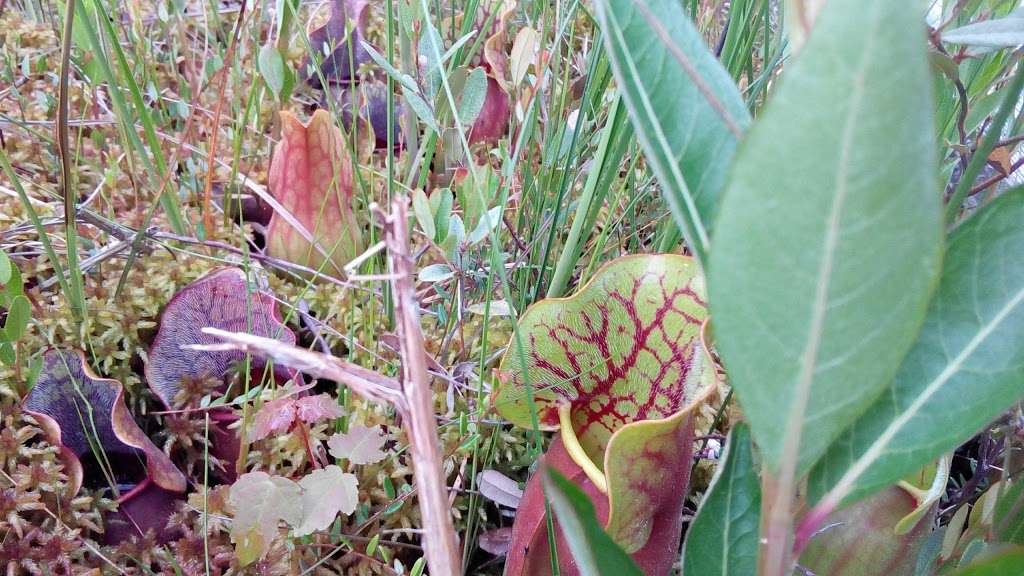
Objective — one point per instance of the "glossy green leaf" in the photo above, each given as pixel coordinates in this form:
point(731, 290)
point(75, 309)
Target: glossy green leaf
point(5, 268)
point(828, 243)
point(595, 552)
point(424, 215)
point(275, 71)
point(687, 112)
point(1004, 32)
point(13, 285)
point(965, 369)
point(421, 108)
point(7, 354)
point(435, 273)
point(1008, 521)
point(723, 538)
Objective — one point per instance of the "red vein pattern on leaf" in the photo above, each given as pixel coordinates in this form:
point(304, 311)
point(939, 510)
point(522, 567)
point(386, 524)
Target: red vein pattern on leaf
point(220, 299)
point(595, 395)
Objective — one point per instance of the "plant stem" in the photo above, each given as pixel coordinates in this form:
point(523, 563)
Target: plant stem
point(75, 297)
point(440, 542)
point(988, 142)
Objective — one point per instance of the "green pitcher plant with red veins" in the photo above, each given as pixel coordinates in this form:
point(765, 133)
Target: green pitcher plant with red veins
point(618, 369)
point(311, 177)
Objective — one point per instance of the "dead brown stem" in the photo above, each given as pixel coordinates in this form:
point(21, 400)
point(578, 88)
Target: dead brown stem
point(442, 551)
point(413, 399)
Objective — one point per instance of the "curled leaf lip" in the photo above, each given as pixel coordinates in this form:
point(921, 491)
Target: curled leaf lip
point(44, 403)
point(565, 390)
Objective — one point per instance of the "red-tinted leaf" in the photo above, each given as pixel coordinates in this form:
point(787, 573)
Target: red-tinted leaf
point(86, 417)
point(277, 416)
point(319, 407)
point(149, 507)
point(496, 541)
point(621, 350)
point(371, 99)
point(78, 410)
point(219, 299)
point(529, 555)
point(860, 540)
point(624, 356)
point(311, 176)
point(273, 417)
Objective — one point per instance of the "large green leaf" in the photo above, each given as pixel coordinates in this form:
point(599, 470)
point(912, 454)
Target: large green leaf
point(595, 552)
point(829, 239)
point(723, 537)
point(1008, 521)
point(687, 112)
point(995, 33)
point(966, 367)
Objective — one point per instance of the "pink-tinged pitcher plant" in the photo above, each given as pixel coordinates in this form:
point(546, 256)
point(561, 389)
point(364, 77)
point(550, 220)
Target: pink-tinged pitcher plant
point(311, 177)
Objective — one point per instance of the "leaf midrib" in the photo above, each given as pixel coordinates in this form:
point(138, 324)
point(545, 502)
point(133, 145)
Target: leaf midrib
point(819, 312)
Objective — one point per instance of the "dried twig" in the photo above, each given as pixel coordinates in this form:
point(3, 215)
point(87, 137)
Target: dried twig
point(413, 398)
point(366, 383)
point(439, 540)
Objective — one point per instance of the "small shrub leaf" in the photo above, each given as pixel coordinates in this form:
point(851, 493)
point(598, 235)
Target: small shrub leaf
point(325, 493)
point(360, 445)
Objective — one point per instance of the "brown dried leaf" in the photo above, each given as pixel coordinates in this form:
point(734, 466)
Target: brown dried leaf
point(495, 52)
point(367, 383)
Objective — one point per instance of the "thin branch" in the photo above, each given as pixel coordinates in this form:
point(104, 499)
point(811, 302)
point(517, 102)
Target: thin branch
point(215, 123)
point(442, 550)
point(362, 381)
